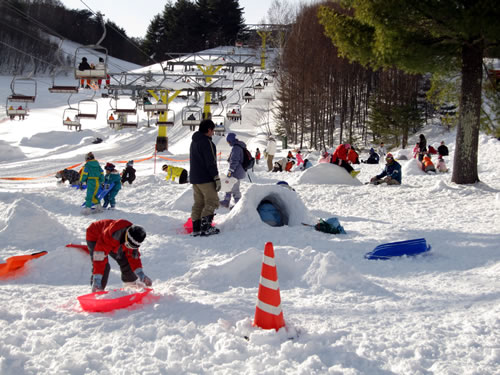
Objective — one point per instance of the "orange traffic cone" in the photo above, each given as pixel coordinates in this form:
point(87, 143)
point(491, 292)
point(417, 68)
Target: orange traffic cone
point(268, 312)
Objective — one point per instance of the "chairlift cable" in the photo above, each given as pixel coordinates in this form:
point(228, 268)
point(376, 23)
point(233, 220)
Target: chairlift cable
point(124, 36)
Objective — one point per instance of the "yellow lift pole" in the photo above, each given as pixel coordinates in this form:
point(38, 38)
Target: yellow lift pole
point(263, 35)
point(208, 71)
point(162, 97)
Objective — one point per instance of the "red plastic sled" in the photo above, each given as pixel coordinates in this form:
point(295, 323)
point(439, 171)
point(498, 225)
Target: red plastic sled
point(90, 303)
point(13, 265)
point(81, 247)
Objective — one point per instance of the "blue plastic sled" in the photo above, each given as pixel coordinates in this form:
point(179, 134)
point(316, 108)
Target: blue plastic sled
point(101, 193)
point(397, 249)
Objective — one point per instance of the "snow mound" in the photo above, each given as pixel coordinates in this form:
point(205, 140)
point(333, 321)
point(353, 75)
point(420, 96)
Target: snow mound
point(328, 271)
point(183, 202)
point(28, 225)
point(9, 153)
point(326, 173)
point(55, 139)
point(411, 168)
point(245, 214)
point(62, 266)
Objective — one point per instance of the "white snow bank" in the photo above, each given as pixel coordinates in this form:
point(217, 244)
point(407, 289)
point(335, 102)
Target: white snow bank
point(326, 173)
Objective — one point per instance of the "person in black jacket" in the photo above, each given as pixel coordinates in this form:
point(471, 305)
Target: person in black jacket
point(128, 174)
point(84, 65)
point(442, 149)
point(68, 175)
point(422, 145)
point(204, 176)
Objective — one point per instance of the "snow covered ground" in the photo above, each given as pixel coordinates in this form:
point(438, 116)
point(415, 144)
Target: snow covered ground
point(434, 314)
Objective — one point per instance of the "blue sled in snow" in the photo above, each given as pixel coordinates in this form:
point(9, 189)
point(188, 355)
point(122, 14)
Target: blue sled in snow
point(397, 249)
point(102, 192)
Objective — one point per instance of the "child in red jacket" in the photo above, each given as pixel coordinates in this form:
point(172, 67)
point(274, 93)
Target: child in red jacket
point(121, 240)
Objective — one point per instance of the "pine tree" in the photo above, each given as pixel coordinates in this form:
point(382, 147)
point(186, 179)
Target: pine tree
point(425, 36)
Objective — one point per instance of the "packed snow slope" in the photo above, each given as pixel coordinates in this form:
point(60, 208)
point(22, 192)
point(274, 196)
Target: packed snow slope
point(344, 314)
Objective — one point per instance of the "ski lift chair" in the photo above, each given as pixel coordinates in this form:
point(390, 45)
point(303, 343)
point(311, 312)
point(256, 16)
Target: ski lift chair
point(23, 90)
point(113, 119)
point(220, 124)
point(87, 108)
point(234, 112)
point(71, 119)
point(14, 112)
point(94, 51)
point(157, 107)
point(191, 116)
point(248, 93)
point(170, 119)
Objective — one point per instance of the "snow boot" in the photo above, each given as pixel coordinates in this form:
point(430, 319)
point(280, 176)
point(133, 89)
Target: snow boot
point(196, 228)
point(206, 226)
point(354, 173)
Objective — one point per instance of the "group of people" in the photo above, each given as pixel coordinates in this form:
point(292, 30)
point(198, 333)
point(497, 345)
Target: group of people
point(423, 154)
point(21, 115)
point(84, 65)
point(93, 178)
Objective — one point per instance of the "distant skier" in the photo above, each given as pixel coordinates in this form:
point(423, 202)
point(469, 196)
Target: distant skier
point(112, 177)
point(128, 174)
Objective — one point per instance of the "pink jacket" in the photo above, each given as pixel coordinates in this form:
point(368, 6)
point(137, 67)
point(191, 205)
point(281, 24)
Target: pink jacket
point(299, 159)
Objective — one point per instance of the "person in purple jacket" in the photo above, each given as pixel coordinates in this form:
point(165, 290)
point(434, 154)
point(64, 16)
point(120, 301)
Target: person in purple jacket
point(235, 168)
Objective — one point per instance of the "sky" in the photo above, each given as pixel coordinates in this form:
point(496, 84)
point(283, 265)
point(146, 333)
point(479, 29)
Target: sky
point(126, 15)
point(437, 313)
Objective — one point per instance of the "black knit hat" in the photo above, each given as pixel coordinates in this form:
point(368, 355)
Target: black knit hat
point(89, 156)
point(134, 236)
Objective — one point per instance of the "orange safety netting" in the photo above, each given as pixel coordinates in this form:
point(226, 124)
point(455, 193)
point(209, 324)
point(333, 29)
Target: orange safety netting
point(77, 165)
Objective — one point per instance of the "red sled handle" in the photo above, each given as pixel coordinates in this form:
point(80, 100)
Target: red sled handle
point(81, 247)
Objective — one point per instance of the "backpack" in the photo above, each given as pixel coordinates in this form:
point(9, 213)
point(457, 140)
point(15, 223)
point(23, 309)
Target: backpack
point(248, 159)
point(330, 225)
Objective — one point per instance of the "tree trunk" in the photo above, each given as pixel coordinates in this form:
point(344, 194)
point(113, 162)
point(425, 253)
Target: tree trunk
point(466, 145)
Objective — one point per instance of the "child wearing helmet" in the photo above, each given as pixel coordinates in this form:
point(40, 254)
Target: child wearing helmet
point(112, 177)
point(173, 172)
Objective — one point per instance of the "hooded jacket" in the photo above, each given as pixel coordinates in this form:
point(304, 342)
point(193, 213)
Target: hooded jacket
point(109, 236)
point(393, 170)
point(202, 159)
point(236, 159)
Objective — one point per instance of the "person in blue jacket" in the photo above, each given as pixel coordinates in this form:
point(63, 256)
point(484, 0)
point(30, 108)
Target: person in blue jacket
point(235, 168)
point(391, 174)
point(112, 177)
point(92, 175)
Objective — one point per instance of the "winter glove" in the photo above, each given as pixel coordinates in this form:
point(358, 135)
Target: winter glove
point(142, 277)
point(229, 174)
point(97, 283)
point(217, 183)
